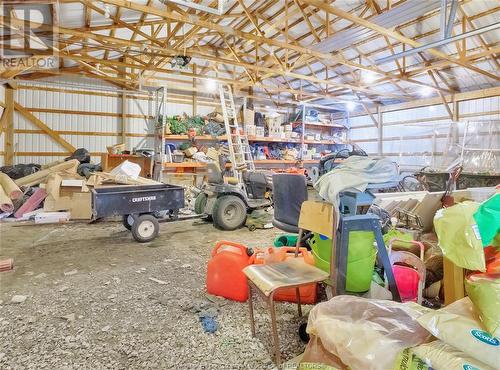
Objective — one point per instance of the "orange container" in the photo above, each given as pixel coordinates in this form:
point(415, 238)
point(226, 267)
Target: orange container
point(225, 277)
point(308, 293)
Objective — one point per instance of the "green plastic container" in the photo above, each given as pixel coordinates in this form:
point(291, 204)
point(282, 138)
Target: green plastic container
point(287, 240)
point(360, 260)
point(359, 272)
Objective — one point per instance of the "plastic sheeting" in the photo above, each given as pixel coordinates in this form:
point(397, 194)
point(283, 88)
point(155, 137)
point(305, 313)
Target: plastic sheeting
point(488, 219)
point(364, 333)
point(459, 236)
point(484, 292)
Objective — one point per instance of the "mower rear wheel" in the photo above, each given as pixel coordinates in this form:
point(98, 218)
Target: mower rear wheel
point(229, 212)
point(199, 205)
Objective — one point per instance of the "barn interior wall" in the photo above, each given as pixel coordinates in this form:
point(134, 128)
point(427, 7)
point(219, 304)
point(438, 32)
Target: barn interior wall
point(87, 114)
point(418, 137)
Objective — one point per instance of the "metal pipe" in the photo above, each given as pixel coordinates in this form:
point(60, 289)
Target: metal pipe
point(451, 18)
point(434, 44)
point(442, 18)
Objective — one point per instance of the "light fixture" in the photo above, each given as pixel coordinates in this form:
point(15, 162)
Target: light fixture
point(350, 105)
point(369, 77)
point(425, 91)
point(211, 85)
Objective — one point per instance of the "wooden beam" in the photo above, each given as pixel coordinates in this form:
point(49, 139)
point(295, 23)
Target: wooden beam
point(42, 126)
point(9, 128)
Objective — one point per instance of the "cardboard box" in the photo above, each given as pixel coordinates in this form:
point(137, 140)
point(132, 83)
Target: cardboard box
point(249, 117)
point(68, 194)
point(251, 130)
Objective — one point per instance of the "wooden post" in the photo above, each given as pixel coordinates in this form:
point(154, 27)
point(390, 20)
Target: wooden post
point(124, 109)
point(195, 108)
point(453, 281)
point(456, 113)
point(124, 118)
point(9, 129)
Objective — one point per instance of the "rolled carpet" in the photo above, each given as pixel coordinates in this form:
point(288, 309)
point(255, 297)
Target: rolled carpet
point(5, 202)
point(10, 187)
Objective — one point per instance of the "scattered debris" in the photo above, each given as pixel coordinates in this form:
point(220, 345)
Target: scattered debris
point(18, 298)
point(161, 282)
point(52, 217)
point(69, 273)
point(71, 317)
point(43, 275)
point(63, 288)
point(6, 265)
point(186, 265)
point(106, 328)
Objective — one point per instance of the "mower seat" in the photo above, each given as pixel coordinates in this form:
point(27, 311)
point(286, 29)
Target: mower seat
point(289, 192)
point(214, 174)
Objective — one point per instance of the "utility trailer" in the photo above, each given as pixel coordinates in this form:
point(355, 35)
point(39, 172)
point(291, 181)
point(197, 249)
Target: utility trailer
point(139, 206)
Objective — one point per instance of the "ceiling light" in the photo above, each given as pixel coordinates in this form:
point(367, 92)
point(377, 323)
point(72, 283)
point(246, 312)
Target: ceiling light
point(425, 92)
point(211, 85)
point(350, 106)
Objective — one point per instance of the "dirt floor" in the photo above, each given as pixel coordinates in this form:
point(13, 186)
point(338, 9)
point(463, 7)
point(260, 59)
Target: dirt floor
point(91, 303)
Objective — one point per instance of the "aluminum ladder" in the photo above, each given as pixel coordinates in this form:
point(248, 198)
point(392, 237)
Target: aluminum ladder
point(159, 122)
point(239, 148)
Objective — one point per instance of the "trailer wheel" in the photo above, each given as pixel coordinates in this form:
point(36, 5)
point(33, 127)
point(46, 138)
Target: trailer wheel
point(229, 212)
point(145, 228)
point(128, 221)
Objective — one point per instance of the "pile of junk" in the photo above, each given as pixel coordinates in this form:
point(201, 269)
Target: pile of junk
point(377, 270)
point(59, 191)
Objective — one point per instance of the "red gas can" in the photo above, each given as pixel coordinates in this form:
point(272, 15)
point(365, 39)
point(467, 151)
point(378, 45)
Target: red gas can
point(224, 271)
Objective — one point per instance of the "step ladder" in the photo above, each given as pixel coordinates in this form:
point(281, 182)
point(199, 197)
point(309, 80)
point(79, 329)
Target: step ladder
point(239, 148)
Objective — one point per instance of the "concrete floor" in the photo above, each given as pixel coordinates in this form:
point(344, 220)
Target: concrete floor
point(91, 304)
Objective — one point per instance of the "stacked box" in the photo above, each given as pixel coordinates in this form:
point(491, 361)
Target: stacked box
point(250, 130)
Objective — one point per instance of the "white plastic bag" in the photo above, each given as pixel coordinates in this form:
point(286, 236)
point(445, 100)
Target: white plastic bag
point(367, 334)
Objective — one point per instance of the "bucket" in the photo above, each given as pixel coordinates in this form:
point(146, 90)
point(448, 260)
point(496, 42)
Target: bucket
point(360, 260)
point(360, 245)
point(359, 274)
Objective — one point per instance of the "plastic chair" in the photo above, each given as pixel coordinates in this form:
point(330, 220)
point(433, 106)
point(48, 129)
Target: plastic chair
point(267, 279)
point(410, 276)
point(289, 192)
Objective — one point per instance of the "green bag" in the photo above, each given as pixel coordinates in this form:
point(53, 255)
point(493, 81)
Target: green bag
point(488, 220)
point(458, 236)
point(484, 291)
point(407, 360)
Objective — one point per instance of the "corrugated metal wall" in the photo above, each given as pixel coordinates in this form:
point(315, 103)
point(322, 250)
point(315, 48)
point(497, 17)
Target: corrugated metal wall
point(91, 121)
point(417, 137)
point(87, 113)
